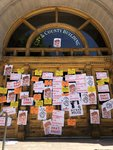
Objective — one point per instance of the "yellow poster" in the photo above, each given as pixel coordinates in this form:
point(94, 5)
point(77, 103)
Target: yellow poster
point(3, 90)
point(20, 70)
point(14, 104)
point(39, 103)
point(71, 71)
point(38, 72)
point(59, 73)
point(91, 89)
point(47, 101)
point(100, 82)
point(106, 80)
point(65, 89)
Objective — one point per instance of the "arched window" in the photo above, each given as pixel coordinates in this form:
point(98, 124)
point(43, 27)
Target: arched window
point(74, 32)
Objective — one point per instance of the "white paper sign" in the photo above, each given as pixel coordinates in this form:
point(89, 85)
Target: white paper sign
point(25, 79)
point(92, 98)
point(70, 78)
point(48, 92)
point(106, 114)
point(94, 116)
point(47, 126)
point(58, 117)
point(90, 81)
point(22, 117)
point(47, 75)
point(11, 96)
point(108, 105)
point(56, 130)
point(104, 96)
point(2, 121)
point(57, 42)
point(76, 108)
point(38, 87)
point(101, 75)
point(24, 95)
point(85, 99)
point(8, 70)
point(103, 88)
point(65, 103)
point(27, 101)
point(72, 88)
point(15, 76)
point(42, 113)
point(9, 110)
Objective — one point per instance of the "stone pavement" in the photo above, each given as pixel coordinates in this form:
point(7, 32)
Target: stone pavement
point(60, 144)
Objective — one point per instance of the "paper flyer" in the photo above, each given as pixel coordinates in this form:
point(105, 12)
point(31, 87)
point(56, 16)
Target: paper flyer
point(94, 116)
point(22, 117)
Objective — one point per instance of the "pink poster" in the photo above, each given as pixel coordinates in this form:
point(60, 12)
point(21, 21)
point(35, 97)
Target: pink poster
point(94, 116)
point(8, 70)
point(22, 117)
point(56, 130)
point(104, 96)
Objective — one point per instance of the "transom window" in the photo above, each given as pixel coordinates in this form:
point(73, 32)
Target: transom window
point(37, 33)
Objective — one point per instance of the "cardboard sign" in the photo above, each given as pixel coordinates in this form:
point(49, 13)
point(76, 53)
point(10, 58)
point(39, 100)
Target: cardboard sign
point(71, 122)
point(38, 73)
point(22, 117)
point(3, 99)
point(48, 82)
point(49, 109)
point(59, 73)
point(14, 104)
point(20, 70)
point(48, 101)
point(3, 90)
point(47, 126)
point(34, 110)
point(39, 103)
point(71, 71)
point(34, 78)
point(42, 113)
point(8, 70)
point(94, 116)
point(37, 97)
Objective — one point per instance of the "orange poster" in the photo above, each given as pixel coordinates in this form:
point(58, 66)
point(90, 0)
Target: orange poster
point(34, 78)
point(3, 99)
point(34, 110)
point(48, 82)
point(17, 90)
point(49, 109)
point(37, 96)
point(71, 122)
